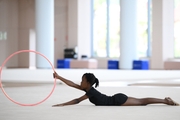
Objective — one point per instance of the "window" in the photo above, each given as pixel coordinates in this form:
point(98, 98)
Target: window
point(106, 28)
point(3, 35)
point(114, 28)
point(176, 28)
point(144, 33)
point(99, 28)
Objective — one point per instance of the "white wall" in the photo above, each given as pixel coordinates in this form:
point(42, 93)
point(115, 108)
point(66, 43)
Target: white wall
point(162, 32)
point(84, 27)
point(9, 22)
point(26, 23)
point(45, 75)
point(72, 37)
point(79, 26)
point(61, 26)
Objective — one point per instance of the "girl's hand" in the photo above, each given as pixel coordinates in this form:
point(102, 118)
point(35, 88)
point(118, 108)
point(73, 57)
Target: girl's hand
point(58, 105)
point(55, 75)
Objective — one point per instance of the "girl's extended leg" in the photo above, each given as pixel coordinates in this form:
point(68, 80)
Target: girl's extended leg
point(145, 101)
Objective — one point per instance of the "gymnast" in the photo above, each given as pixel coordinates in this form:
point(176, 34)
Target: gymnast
point(99, 99)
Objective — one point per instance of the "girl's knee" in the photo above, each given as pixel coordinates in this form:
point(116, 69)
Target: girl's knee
point(143, 102)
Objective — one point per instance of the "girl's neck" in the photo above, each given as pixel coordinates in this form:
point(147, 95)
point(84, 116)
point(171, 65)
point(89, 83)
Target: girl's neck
point(88, 88)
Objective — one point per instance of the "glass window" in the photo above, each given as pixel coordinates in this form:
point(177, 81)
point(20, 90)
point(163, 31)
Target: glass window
point(142, 28)
point(114, 28)
point(99, 28)
point(1, 35)
point(5, 36)
point(177, 28)
point(106, 28)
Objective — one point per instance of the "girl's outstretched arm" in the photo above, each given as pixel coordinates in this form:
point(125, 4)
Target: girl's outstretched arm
point(68, 82)
point(72, 102)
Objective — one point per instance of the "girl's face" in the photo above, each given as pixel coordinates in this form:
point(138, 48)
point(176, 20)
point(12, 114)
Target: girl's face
point(84, 83)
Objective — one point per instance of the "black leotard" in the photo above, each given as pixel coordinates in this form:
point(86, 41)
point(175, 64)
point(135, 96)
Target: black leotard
point(100, 99)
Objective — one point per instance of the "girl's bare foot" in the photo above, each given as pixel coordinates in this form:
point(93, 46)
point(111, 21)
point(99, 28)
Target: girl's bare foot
point(171, 102)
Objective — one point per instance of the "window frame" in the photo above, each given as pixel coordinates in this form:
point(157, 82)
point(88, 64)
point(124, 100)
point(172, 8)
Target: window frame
point(148, 52)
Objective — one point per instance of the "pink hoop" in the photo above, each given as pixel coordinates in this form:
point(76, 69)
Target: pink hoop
point(21, 51)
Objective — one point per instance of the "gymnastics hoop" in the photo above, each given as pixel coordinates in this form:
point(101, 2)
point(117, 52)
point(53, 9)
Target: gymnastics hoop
point(24, 51)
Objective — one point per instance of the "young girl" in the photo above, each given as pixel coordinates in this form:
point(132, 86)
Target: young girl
point(99, 99)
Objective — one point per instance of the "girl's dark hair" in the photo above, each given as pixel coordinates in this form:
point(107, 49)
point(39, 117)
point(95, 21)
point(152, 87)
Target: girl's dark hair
point(91, 79)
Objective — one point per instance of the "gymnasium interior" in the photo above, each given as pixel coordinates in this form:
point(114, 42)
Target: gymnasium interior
point(131, 46)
